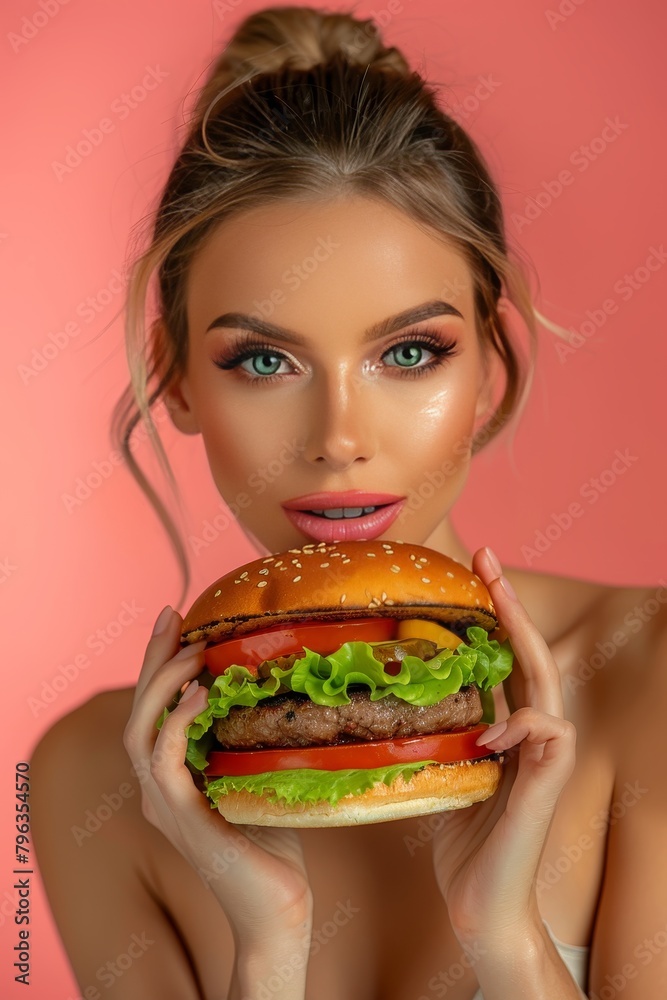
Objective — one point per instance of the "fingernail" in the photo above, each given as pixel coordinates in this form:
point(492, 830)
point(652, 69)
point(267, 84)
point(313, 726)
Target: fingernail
point(491, 734)
point(163, 619)
point(189, 691)
point(507, 587)
point(493, 559)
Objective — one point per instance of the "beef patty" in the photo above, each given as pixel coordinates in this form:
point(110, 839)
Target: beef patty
point(293, 720)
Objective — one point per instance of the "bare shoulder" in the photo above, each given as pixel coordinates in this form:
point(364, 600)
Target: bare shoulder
point(93, 843)
point(87, 744)
point(557, 604)
point(84, 788)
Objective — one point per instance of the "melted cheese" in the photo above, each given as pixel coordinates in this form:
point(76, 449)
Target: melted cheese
point(418, 628)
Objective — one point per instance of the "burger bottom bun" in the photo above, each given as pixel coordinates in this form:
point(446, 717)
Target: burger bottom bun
point(436, 788)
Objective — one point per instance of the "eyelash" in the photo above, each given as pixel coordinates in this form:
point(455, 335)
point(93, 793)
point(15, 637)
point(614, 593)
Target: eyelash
point(246, 347)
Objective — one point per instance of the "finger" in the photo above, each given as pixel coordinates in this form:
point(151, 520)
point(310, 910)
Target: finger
point(168, 767)
point(532, 652)
point(141, 730)
point(161, 647)
point(548, 739)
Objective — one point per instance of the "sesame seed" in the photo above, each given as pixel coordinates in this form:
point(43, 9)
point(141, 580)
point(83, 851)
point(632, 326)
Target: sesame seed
point(464, 586)
point(244, 574)
point(412, 555)
point(294, 550)
point(262, 583)
point(347, 560)
point(269, 559)
point(217, 593)
point(395, 569)
point(279, 563)
point(473, 583)
point(296, 579)
point(477, 600)
point(342, 598)
point(384, 596)
point(425, 579)
point(371, 554)
point(263, 572)
point(390, 552)
point(388, 602)
point(324, 565)
point(385, 545)
point(238, 581)
point(451, 575)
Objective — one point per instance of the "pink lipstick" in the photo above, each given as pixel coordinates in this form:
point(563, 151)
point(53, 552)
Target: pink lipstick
point(353, 514)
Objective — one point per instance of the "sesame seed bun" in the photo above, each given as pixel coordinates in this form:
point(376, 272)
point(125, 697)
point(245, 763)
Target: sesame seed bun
point(326, 581)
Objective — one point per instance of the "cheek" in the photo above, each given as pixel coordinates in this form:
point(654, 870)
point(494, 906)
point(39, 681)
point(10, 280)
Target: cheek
point(442, 427)
point(243, 435)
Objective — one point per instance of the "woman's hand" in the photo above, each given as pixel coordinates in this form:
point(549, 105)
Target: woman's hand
point(486, 857)
point(257, 873)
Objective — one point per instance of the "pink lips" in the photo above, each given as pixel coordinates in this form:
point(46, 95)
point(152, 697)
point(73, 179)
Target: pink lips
point(365, 527)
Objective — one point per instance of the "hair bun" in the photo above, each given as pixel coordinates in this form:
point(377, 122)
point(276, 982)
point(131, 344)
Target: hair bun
point(298, 38)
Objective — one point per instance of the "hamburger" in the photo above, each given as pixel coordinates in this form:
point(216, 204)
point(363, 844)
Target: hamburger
point(348, 683)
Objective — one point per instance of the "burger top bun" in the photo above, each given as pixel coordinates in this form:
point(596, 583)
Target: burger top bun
point(340, 580)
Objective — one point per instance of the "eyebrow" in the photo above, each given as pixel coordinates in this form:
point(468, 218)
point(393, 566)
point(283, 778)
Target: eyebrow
point(436, 307)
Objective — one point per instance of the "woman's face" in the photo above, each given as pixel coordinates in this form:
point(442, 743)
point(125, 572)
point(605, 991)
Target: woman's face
point(321, 400)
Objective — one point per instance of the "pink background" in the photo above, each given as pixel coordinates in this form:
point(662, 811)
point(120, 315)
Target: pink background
point(67, 574)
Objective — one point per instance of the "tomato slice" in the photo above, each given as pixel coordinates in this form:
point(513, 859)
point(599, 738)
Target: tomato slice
point(281, 640)
point(446, 748)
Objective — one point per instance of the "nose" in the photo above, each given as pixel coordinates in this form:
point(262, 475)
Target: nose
point(339, 424)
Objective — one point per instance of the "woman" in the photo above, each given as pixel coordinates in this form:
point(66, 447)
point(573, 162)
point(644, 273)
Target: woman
point(308, 207)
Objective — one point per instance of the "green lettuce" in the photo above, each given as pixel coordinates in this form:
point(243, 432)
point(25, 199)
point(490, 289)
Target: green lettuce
point(310, 785)
point(325, 679)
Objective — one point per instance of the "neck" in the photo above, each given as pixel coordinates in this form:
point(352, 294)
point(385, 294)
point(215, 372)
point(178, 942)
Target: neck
point(446, 540)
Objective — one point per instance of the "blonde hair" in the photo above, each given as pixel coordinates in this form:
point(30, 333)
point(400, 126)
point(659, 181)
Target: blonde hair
point(303, 104)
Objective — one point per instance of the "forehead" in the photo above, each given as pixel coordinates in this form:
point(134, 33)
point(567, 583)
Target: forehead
point(353, 256)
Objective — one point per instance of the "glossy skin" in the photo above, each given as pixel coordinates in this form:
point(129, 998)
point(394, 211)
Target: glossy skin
point(353, 421)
